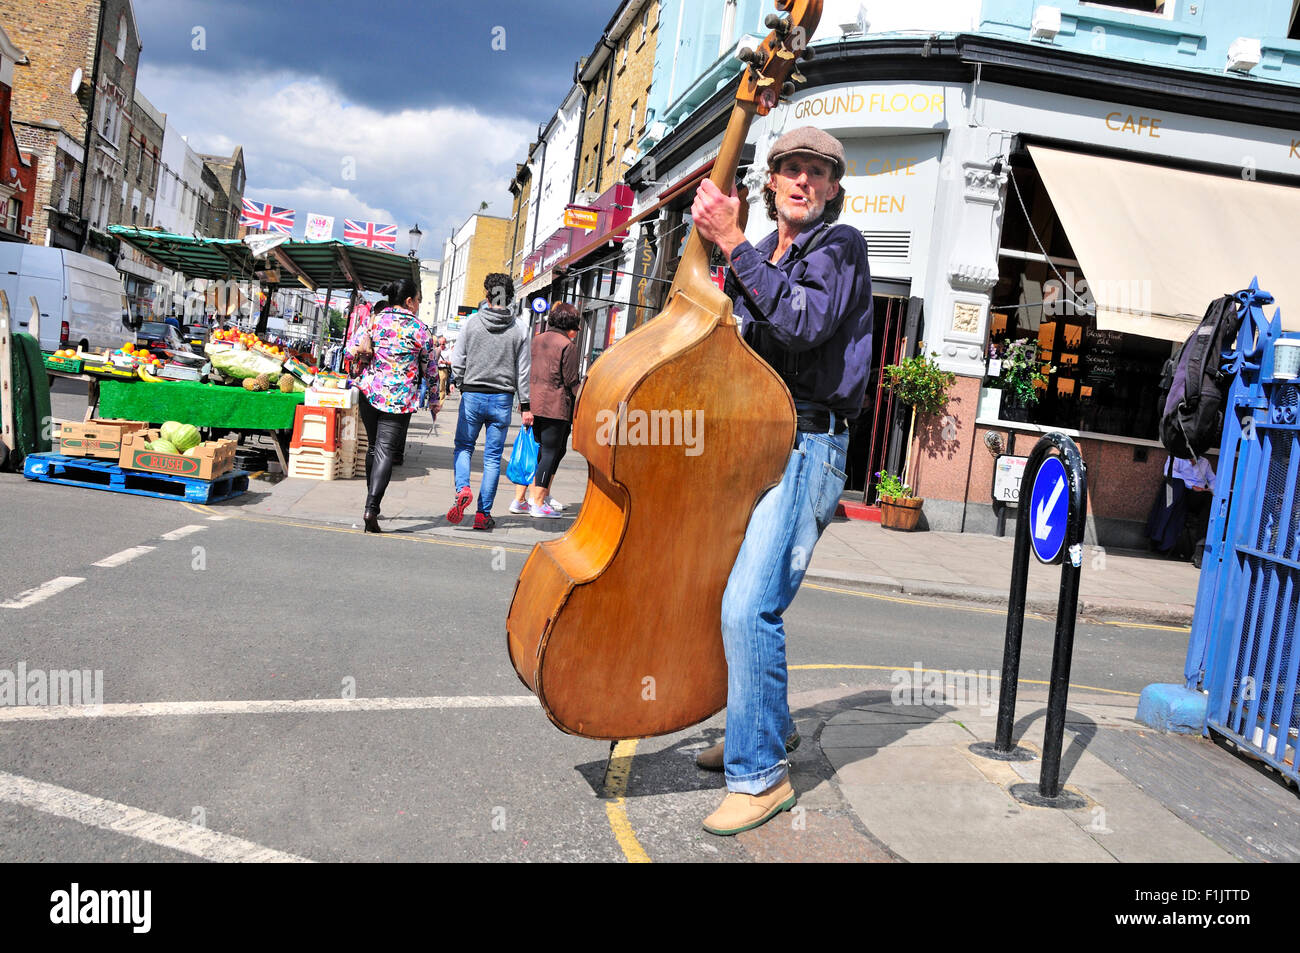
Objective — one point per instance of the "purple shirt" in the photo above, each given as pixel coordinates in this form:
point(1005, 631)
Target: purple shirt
point(818, 314)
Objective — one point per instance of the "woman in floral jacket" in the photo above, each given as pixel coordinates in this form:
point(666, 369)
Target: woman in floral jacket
point(392, 346)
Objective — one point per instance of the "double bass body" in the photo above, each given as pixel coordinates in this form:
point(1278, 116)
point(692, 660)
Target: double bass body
point(616, 625)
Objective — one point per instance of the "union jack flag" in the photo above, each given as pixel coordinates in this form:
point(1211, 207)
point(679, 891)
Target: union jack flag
point(370, 234)
point(267, 218)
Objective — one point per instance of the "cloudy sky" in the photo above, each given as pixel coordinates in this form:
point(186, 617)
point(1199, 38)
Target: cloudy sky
point(396, 111)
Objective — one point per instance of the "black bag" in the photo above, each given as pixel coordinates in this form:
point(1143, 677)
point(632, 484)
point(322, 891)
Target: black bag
point(1197, 385)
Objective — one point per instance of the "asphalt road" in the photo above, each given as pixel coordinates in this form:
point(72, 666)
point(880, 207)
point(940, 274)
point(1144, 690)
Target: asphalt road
point(245, 610)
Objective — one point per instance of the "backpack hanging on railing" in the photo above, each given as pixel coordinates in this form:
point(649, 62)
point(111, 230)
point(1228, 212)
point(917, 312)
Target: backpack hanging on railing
point(1196, 383)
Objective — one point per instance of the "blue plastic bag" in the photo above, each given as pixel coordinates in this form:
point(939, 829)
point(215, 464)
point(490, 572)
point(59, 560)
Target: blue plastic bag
point(523, 458)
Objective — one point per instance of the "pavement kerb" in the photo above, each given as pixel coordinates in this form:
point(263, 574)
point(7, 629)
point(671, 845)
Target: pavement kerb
point(1117, 610)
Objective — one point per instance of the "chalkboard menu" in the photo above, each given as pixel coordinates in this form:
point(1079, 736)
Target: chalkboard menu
point(1102, 362)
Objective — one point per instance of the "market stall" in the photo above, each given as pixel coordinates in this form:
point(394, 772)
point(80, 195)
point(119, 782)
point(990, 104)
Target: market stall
point(140, 399)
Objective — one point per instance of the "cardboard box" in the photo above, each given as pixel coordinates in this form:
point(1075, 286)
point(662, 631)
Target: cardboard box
point(213, 458)
point(331, 397)
point(96, 438)
point(300, 371)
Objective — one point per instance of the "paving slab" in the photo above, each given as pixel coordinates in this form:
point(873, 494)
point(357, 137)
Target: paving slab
point(968, 822)
point(835, 735)
point(869, 766)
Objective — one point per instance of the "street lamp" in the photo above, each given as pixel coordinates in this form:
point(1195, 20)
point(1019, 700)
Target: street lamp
point(416, 235)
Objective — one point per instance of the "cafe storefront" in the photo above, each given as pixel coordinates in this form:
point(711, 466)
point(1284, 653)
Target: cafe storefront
point(998, 215)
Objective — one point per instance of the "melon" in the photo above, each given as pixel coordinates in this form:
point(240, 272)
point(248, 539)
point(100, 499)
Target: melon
point(184, 437)
point(162, 446)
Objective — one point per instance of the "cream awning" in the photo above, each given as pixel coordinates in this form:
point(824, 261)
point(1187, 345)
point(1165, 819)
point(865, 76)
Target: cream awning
point(1157, 245)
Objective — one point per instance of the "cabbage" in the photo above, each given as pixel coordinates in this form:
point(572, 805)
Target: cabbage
point(162, 446)
point(241, 365)
point(184, 437)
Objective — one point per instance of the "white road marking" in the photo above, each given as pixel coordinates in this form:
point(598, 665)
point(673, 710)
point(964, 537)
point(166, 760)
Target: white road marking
point(254, 707)
point(125, 556)
point(41, 592)
point(218, 519)
point(137, 823)
point(184, 531)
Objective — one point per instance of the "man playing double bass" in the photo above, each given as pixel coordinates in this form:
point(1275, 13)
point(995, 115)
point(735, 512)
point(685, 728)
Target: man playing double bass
point(803, 299)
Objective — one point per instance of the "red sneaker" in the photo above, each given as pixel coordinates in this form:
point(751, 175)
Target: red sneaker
point(483, 521)
point(464, 496)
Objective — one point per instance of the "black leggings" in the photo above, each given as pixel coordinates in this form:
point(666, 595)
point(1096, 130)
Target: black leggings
point(552, 437)
point(386, 435)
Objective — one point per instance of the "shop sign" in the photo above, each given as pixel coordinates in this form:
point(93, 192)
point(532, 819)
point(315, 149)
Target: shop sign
point(642, 268)
point(584, 218)
point(1007, 473)
point(889, 186)
point(888, 105)
point(1087, 121)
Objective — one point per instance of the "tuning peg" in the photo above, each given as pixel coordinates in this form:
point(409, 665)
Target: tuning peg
point(799, 77)
point(807, 54)
point(748, 54)
point(777, 22)
point(787, 90)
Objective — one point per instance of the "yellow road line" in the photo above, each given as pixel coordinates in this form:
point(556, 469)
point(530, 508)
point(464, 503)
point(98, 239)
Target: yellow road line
point(944, 671)
point(400, 537)
point(956, 607)
point(616, 778)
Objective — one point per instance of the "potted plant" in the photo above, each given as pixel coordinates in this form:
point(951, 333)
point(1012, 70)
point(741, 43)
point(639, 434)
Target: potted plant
point(1022, 378)
point(919, 383)
point(899, 508)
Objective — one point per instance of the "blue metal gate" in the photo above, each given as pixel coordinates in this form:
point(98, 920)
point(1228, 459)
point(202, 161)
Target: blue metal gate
point(1242, 650)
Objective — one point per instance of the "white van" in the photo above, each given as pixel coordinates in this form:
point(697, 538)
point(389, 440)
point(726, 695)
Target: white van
point(81, 299)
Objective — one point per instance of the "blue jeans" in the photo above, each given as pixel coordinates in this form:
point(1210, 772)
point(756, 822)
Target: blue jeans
point(477, 410)
point(782, 531)
point(424, 392)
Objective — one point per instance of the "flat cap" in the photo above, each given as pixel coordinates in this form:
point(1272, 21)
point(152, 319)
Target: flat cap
point(813, 141)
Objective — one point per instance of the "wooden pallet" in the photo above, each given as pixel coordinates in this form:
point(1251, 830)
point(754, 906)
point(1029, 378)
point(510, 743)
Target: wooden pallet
point(106, 475)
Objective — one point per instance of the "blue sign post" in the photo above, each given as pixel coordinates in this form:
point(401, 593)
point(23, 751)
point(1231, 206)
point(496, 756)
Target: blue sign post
point(1050, 523)
point(1049, 510)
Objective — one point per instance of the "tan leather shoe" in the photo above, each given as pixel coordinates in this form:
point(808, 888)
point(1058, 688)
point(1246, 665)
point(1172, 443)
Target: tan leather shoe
point(711, 759)
point(743, 812)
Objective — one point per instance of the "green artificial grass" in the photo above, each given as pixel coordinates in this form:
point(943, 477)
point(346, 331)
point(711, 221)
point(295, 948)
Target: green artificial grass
point(201, 405)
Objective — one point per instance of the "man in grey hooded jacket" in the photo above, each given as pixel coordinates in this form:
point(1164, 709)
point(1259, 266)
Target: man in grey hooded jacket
point(491, 365)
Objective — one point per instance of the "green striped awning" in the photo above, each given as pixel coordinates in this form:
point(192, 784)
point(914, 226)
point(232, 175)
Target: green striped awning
point(315, 265)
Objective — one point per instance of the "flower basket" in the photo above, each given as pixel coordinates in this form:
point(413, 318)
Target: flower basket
point(900, 512)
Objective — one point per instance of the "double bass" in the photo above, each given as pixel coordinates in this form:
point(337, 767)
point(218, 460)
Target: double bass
point(616, 625)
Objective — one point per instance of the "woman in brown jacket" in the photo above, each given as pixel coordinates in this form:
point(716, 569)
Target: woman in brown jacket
point(552, 383)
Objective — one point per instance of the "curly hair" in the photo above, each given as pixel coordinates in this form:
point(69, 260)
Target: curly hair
point(563, 317)
point(500, 289)
point(829, 214)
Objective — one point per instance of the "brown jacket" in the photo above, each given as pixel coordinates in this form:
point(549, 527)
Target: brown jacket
point(554, 376)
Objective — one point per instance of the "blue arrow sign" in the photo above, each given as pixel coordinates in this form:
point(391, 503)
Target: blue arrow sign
point(540, 305)
point(1049, 511)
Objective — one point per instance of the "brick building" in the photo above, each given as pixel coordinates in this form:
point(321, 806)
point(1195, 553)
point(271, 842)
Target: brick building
point(138, 201)
point(477, 249)
point(226, 176)
point(521, 191)
point(84, 55)
point(143, 160)
point(617, 77)
point(17, 171)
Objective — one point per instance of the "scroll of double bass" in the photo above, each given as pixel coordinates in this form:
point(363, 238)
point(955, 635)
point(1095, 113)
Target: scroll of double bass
point(616, 625)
